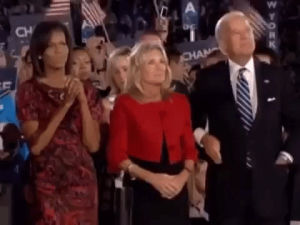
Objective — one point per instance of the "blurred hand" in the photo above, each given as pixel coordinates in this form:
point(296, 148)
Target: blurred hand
point(72, 90)
point(97, 49)
point(178, 181)
point(3, 155)
point(283, 160)
point(165, 185)
point(81, 96)
point(212, 148)
point(107, 108)
point(109, 48)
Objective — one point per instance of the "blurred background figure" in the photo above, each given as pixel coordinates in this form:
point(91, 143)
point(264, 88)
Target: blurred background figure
point(190, 80)
point(117, 72)
point(150, 36)
point(24, 69)
point(213, 58)
point(197, 190)
point(266, 55)
point(99, 50)
point(162, 28)
point(3, 61)
point(112, 209)
point(82, 65)
point(179, 70)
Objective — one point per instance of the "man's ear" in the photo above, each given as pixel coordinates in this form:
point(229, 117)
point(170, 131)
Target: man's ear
point(223, 47)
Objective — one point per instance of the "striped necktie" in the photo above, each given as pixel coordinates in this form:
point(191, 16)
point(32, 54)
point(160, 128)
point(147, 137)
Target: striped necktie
point(244, 107)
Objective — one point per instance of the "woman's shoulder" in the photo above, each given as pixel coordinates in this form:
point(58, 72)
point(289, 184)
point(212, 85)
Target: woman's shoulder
point(28, 86)
point(178, 97)
point(124, 99)
point(27, 83)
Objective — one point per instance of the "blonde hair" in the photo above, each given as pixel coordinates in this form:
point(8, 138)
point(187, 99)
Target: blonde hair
point(111, 65)
point(134, 87)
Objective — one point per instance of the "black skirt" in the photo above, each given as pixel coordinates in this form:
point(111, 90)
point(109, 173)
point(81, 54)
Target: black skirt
point(149, 208)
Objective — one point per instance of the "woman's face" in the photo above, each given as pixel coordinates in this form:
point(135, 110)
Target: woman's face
point(81, 64)
point(153, 68)
point(121, 66)
point(56, 54)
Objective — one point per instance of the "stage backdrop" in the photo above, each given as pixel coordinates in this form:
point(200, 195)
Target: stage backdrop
point(22, 28)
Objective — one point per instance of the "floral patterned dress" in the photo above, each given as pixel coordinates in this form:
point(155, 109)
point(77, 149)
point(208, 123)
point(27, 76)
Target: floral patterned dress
point(63, 176)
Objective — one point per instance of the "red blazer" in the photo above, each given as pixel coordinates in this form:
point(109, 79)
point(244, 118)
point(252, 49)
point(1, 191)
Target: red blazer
point(137, 130)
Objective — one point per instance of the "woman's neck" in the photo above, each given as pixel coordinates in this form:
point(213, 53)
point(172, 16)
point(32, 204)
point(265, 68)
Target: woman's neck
point(151, 93)
point(54, 77)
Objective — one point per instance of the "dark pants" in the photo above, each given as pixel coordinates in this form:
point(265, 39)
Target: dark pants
point(243, 221)
point(246, 215)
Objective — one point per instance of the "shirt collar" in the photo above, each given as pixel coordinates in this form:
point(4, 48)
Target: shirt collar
point(234, 67)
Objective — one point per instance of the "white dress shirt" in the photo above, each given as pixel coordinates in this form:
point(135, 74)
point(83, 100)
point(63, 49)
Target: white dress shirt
point(249, 75)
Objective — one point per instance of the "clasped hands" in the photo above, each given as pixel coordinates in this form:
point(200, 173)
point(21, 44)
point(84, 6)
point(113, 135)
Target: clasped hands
point(74, 90)
point(169, 186)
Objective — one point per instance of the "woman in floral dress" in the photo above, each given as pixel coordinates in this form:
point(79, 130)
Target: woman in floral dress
point(59, 116)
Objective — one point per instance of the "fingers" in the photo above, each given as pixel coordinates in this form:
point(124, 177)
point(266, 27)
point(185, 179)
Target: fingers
point(168, 192)
point(73, 89)
point(67, 82)
point(212, 148)
point(3, 155)
point(72, 86)
point(217, 157)
point(169, 188)
point(215, 154)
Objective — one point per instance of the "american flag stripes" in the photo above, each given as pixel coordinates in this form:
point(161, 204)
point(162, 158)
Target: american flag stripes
point(92, 12)
point(58, 8)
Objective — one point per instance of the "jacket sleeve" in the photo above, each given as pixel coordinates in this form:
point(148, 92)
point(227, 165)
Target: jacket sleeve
point(118, 137)
point(199, 108)
point(290, 110)
point(187, 139)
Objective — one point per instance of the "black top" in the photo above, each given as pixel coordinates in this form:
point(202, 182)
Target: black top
point(163, 166)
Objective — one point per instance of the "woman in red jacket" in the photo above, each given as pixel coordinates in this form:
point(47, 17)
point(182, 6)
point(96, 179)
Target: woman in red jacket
point(151, 139)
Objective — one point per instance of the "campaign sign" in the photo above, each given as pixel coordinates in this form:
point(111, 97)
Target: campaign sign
point(190, 17)
point(22, 28)
point(7, 79)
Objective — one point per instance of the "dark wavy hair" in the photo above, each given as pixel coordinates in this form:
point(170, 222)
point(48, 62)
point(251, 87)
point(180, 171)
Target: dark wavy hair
point(39, 43)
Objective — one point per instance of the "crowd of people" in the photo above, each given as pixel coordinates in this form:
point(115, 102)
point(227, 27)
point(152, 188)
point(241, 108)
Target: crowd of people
point(136, 136)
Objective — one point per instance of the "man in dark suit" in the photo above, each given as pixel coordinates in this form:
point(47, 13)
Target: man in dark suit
point(246, 104)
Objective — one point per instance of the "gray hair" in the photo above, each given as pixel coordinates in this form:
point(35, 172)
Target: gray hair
point(221, 26)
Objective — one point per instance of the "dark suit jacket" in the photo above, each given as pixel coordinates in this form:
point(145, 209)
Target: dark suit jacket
point(180, 87)
point(277, 106)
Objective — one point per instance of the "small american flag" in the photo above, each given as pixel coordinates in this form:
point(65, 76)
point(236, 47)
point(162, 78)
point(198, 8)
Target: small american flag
point(92, 12)
point(58, 8)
